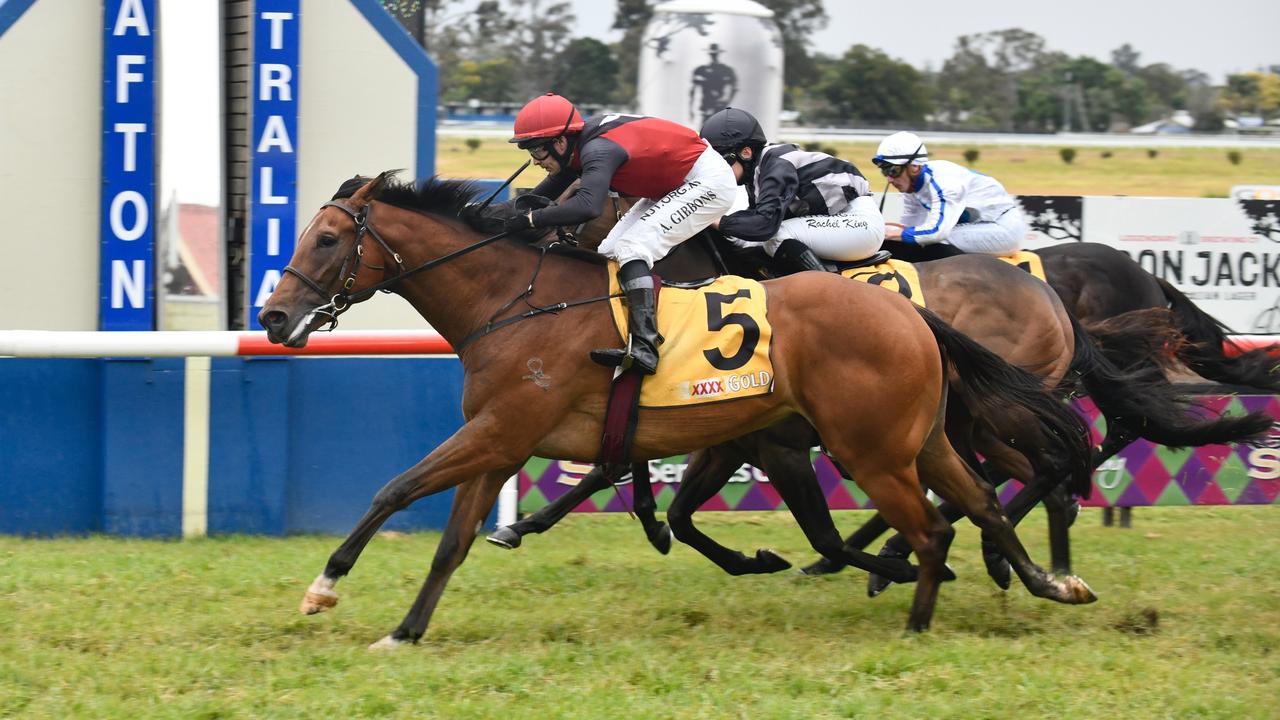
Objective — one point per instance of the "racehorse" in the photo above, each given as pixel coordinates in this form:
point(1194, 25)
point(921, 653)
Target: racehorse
point(1008, 311)
point(838, 348)
point(983, 298)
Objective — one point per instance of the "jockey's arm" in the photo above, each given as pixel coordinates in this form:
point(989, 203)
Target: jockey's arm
point(942, 211)
point(776, 187)
point(601, 158)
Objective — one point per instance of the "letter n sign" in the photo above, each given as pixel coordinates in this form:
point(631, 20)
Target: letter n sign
point(274, 195)
point(127, 277)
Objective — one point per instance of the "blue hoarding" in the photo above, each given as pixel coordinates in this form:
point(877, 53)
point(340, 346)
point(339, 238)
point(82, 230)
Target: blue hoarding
point(273, 202)
point(127, 277)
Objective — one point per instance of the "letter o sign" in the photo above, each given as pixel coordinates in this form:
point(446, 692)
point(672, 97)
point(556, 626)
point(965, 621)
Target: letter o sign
point(131, 197)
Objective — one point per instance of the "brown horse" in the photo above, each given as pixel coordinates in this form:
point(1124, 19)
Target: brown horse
point(838, 348)
point(1008, 311)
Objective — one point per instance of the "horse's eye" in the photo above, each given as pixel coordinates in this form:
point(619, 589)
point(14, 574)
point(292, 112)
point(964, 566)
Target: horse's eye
point(326, 240)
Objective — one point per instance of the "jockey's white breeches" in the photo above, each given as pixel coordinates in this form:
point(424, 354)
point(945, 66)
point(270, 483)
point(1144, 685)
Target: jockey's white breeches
point(852, 235)
point(1002, 236)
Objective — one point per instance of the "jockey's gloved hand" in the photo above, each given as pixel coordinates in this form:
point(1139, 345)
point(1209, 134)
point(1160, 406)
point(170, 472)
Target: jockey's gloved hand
point(518, 223)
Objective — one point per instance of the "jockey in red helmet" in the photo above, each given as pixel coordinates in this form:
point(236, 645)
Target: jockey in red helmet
point(684, 184)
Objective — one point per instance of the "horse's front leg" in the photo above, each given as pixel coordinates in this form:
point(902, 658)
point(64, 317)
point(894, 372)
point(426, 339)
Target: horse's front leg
point(510, 537)
point(471, 503)
point(477, 448)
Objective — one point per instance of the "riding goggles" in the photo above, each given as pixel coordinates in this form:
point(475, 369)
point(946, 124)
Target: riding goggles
point(539, 151)
point(890, 170)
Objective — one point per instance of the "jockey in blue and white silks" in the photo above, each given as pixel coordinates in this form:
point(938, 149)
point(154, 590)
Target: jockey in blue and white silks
point(946, 202)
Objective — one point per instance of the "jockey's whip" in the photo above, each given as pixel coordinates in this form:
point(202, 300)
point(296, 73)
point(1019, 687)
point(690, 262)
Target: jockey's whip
point(503, 186)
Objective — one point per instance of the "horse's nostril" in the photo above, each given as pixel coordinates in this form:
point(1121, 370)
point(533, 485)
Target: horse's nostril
point(273, 320)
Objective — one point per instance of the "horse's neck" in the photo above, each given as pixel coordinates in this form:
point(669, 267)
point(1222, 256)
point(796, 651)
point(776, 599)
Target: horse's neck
point(459, 296)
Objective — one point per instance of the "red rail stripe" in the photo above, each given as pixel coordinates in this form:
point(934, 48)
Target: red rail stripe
point(321, 344)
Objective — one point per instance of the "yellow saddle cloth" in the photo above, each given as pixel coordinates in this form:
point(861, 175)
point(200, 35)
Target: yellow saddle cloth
point(1028, 261)
point(896, 275)
point(717, 345)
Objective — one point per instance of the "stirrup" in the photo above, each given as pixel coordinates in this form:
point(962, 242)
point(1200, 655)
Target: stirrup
point(623, 358)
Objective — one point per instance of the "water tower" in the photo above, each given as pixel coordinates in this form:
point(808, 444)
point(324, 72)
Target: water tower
point(698, 56)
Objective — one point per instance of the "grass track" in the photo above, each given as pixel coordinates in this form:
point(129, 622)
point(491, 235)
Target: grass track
point(587, 622)
point(1024, 170)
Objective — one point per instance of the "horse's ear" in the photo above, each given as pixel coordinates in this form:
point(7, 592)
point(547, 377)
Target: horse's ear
point(374, 187)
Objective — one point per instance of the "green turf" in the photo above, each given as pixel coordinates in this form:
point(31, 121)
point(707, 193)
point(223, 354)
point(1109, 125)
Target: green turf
point(587, 622)
point(1024, 170)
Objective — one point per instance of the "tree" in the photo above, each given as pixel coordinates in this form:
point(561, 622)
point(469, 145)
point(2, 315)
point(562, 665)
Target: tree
point(1166, 88)
point(797, 21)
point(631, 17)
point(490, 80)
point(1254, 93)
point(586, 72)
point(978, 84)
point(867, 85)
point(531, 36)
point(1125, 59)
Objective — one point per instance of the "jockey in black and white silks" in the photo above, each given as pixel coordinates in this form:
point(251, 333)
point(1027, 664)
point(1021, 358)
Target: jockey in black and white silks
point(798, 200)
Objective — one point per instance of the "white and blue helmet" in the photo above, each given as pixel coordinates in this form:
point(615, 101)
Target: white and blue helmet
point(901, 148)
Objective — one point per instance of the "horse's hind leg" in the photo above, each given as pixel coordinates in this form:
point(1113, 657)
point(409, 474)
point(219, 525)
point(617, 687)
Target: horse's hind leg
point(644, 505)
point(509, 537)
point(896, 493)
point(1059, 505)
point(471, 503)
point(708, 471)
point(948, 475)
point(792, 476)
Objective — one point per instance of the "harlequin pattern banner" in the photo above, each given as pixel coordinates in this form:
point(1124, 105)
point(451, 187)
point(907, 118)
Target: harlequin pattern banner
point(1143, 474)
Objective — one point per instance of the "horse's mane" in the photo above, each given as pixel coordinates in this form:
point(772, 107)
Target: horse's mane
point(451, 198)
point(458, 199)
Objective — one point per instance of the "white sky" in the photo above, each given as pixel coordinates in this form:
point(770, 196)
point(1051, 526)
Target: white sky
point(189, 101)
point(1236, 36)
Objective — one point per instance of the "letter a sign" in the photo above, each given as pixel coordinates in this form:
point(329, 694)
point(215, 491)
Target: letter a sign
point(127, 279)
point(273, 202)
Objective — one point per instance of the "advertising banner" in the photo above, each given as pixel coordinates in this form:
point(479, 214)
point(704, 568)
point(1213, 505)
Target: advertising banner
point(127, 256)
point(1223, 253)
point(274, 198)
point(1142, 475)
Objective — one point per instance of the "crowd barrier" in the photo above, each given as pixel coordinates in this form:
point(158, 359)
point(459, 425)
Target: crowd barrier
point(188, 433)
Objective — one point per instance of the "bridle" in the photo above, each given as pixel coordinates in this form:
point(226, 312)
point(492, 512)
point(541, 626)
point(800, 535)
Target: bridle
point(341, 301)
point(344, 298)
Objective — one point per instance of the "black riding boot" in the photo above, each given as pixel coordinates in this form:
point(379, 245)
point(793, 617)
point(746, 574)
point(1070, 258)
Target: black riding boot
point(642, 349)
point(793, 256)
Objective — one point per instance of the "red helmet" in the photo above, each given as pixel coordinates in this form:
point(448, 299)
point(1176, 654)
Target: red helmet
point(546, 116)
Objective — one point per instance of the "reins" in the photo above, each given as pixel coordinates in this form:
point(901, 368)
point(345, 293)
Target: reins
point(344, 298)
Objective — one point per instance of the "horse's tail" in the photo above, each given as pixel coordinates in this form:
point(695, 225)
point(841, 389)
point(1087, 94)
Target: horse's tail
point(1205, 354)
point(990, 388)
point(1140, 338)
point(1143, 397)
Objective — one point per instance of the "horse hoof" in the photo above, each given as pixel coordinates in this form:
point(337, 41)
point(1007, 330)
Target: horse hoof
point(947, 574)
point(1000, 572)
point(771, 562)
point(319, 597)
point(1078, 591)
point(660, 538)
point(877, 584)
point(388, 643)
point(505, 538)
point(822, 567)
